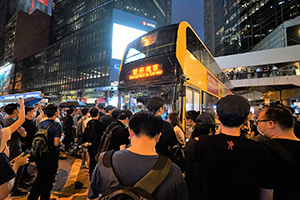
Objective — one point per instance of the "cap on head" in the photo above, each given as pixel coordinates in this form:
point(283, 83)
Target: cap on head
point(205, 119)
point(233, 110)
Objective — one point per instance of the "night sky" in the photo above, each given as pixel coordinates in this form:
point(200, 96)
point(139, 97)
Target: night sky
point(190, 11)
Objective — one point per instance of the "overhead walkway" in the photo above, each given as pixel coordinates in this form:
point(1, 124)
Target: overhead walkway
point(274, 72)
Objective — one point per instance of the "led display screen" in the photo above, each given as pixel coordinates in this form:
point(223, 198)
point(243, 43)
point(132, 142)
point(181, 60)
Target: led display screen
point(122, 36)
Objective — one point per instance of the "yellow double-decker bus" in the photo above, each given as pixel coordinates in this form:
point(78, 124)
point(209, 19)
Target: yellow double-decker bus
point(171, 62)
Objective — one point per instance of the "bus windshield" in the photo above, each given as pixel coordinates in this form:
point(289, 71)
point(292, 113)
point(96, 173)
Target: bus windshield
point(159, 42)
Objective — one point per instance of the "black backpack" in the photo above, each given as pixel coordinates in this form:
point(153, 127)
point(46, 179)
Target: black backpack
point(106, 138)
point(143, 189)
point(40, 146)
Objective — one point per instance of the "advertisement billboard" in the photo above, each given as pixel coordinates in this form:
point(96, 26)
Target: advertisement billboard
point(126, 28)
point(5, 72)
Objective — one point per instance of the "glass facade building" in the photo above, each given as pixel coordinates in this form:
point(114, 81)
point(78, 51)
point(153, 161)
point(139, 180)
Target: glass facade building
point(236, 26)
point(81, 59)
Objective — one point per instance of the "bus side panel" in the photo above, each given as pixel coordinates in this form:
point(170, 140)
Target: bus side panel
point(196, 72)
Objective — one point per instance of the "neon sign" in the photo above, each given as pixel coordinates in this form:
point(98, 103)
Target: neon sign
point(143, 72)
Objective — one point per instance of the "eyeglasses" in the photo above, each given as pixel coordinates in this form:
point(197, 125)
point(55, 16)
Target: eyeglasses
point(262, 120)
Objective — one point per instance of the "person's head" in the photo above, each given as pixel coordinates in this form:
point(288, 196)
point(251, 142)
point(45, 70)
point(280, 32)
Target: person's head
point(94, 112)
point(175, 120)
point(273, 118)
point(12, 109)
point(156, 105)
point(51, 110)
point(146, 123)
point(96, 102)
point(232, 110)
point(100, 107)
point(30, 112)
point(190, 117)
point(125, 115)
point(70, 112)
point(77, 111)
point(205, 125)
point(109, 109)
point(115, 113)
point(85, 111)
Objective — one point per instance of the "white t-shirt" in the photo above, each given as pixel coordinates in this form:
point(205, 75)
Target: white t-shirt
point(6, 137)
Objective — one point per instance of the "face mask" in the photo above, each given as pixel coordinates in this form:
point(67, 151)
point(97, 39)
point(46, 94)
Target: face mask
point(263, 134)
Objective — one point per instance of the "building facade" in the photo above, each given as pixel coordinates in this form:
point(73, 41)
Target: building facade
point(26, 34)
point(88, 38)
point(9, 7)
point(235, 26)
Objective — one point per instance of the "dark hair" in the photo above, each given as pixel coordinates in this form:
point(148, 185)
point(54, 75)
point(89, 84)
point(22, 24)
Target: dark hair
point(70, 111)
point(146, 123)
point(85, 110)
point(192, 114)
point(203, 130)
point(94, 112)
point(233, 110)
point(115, 113)
point(100, 106)
point(281, 115)
point(155, 103)
point(109, 108)
point(28, 109)
point(10, 108)
point(175, 120)
point(124, 114)
point(50, 110)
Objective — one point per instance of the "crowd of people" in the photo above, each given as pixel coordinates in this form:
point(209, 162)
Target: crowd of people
point(260, 72)
point(234, 154)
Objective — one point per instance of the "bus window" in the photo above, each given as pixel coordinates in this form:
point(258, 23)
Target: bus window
point(153, 44)
point(209, 103)
point(196, 100)
point(189, 99)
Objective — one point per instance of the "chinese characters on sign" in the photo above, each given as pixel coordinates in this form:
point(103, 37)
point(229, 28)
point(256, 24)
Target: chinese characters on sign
point(143, 72)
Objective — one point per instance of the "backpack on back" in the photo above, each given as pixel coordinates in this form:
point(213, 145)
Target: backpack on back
point(143, 189)
point(40, 146)
point(106, 138)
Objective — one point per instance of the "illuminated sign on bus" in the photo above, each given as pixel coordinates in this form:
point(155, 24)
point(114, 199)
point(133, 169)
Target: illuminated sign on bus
point(143, 72)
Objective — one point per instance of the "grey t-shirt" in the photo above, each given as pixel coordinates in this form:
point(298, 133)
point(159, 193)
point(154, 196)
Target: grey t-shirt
point(130, 168)
point(14, 142)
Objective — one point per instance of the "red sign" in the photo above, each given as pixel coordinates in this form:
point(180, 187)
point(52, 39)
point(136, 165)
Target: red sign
point(143, 72)
point(45, 2)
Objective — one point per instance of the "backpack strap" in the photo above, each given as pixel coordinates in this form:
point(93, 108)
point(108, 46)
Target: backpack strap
point(156, 175)
point(281, 151)
point(107, 172)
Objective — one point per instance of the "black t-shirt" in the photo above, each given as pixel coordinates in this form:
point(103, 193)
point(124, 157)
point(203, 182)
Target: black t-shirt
point(231, 167)
point(119, 135)
point(107, 120)
point(14, 142)
point(288, 172)
point(68, 128)
point(167, 139)
point(130, 168)
point(30, 129)
point(94, 137)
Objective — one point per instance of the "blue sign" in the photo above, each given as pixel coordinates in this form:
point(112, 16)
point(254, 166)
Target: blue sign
point(24, 95)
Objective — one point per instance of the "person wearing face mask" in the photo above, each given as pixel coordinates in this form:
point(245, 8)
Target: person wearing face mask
point(277, 123)
point(120, 133)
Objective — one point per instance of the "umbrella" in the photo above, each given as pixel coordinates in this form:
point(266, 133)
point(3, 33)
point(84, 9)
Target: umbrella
point(32, 101)
point(72, 103)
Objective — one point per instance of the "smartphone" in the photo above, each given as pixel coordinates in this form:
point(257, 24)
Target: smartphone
point(28, 151)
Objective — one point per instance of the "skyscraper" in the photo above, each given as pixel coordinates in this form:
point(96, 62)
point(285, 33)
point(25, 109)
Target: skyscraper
point(236, 26)
point(88, 39)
